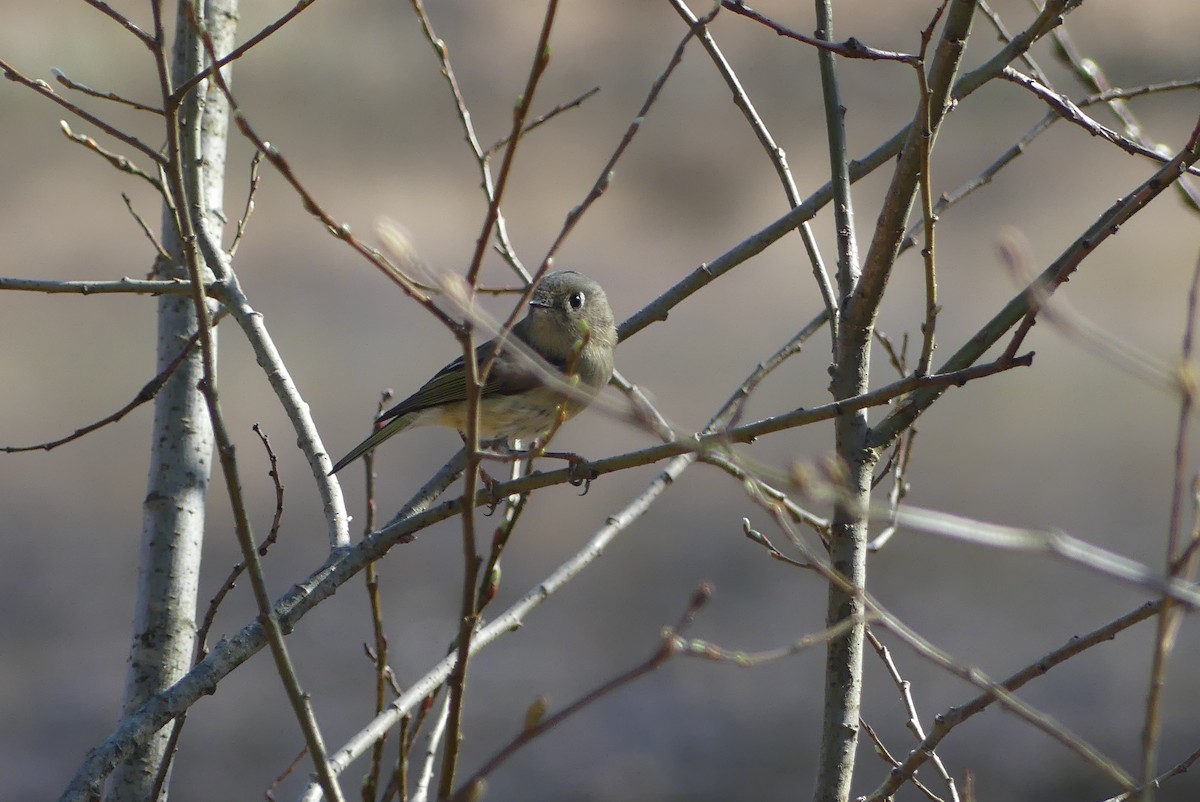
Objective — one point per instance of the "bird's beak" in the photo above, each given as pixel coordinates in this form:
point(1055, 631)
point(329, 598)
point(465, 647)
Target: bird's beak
point(540, 303)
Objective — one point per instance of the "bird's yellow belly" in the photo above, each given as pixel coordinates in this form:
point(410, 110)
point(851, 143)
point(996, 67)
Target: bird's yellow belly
point(522, 416)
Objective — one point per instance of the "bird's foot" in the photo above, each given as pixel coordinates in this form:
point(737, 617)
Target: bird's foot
point(490, 484)
point(579, 471)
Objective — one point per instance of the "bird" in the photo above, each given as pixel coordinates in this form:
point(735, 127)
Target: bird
point(569, 325)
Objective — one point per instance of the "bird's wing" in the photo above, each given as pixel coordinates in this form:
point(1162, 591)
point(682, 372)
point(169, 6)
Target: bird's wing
point(449, 385)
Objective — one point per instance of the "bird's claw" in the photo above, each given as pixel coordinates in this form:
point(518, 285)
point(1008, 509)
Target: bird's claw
point(489, 484)
point(580, 472)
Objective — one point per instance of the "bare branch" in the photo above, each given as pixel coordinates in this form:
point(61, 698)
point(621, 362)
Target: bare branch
point(946, 722)
point(45, 90)
point(777, 156)
point(61, 77)
point(1019, 308)
point(1070, 112)
point(144, 395)
point(124, 22)
point(240, 51)
point(115, 159)
point(536, 725)
point(542, 119)
point(121, 286)
point(851, 48)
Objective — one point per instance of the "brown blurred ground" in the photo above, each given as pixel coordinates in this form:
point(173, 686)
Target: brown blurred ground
point(352, 96)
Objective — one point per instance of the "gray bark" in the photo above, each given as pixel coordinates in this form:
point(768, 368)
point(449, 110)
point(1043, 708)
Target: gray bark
point(182, 446)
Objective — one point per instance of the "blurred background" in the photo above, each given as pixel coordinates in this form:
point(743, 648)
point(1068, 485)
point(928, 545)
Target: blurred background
point(351, 94)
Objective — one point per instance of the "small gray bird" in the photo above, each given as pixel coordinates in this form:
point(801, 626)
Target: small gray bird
point(566, 309)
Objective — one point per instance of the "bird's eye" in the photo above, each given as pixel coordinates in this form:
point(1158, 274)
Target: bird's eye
point(576, 300)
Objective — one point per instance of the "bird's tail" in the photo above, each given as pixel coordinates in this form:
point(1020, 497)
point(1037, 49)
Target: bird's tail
point(382, 433)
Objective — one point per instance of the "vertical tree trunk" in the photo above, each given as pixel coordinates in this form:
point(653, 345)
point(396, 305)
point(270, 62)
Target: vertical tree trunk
point(843, 656)
point(848, 530)
point(181, 449)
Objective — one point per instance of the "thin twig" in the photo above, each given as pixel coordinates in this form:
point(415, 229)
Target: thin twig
point(887, 756)
point(737, 404)
point(87, 90)
point(158, 248)
point(694, 647)
point(851, 48)
point(482, 158)
point(535, 725)
point(338, 230)
point(1017, 312)
point(143, 37)
point(1069, 111)
point(893, 217)
point(929, 252)
point(241, 50)
point(542, 119)
point(489, 578)
point(432, 489)
point(606, 172)
point(903, 457)
point(115, 159)
point(778, 159)
point(1129, 92)
point(645, 412)
point(190, 232)
point(756, 243)
point(946, 722)
point(469, 609)
point(469, 605)
point(839, 168)
point(897, 357)
point(1179, 768)
point(1090, 74)
point(910, 707)
point(950, 199)
point(541, 59)
point(45, 90)
point(255, 181)
point(436, 733)
point(375, 600)
point(1077, 329)
point(755, 536)
point(269, 793)
point(147, 393)
point(999, 692)
point(1167, 624)
point(1005, 36)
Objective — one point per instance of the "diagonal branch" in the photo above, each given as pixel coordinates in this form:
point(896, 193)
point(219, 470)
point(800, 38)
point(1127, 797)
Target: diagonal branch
point(898, 202)
point(851, 48)
point(947, 721)
point(1022, 309)
point(45, 90)
point(775, 153)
